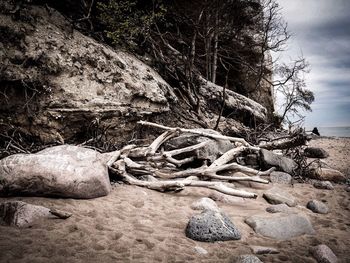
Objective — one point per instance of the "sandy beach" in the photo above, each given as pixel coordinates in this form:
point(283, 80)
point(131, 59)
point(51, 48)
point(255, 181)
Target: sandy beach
point(135, 224)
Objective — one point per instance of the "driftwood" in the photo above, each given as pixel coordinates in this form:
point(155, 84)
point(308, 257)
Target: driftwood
point(164, 168)
point(285, 142)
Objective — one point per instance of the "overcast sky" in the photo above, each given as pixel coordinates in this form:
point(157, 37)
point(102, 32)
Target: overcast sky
point(321, 31)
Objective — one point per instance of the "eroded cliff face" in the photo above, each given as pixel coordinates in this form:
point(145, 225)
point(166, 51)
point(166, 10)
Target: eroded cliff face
point(60, 86)
point(56, 83)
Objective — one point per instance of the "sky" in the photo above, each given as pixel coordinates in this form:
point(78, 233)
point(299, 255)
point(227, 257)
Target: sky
point(321, 33)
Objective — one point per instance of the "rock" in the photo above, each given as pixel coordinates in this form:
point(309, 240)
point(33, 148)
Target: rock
point(260, 250)
point(247, 259)
point(205, 204)
point(327, 185)
point(284, 164)
point(63, 171)
point(280, 178)
point(21, 214)
point(347, 188)
point(315, 152)
point(281, 208)
point(200, 250)
point(281, 226)
point(227, 199)
point(210, 226)
point(83, 85)
point(326, 174)
point(213, 150)
point(323, 254)
point(317, 207)
point(275, 196)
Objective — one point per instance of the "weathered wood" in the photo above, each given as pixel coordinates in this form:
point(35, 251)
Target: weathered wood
point(194, 131)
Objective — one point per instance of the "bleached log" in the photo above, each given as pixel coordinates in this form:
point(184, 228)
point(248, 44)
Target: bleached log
point(228, 156)
point(285, 142)
point(176, 185)
point(193, 131)
point(159, 141)
point(211, 172)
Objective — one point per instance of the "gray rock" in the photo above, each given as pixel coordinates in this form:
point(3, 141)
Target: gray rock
point(205, 203)
point(21, 214)
point(247, 259)
point(284, 164)
point(200, 250)
point(210, 226)
point(64, 171)
point(317, 207)
point(211, 151)
point(327, 174)
point(327, 185)
point(260, 250)
point(315, 152)
point(276, 196)
point(323, 254)
point(281, 178)
point(347, 188)
point(281, 208)
point(281, 226)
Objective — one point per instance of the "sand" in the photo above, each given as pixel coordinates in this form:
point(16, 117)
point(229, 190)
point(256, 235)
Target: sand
point(135, 224)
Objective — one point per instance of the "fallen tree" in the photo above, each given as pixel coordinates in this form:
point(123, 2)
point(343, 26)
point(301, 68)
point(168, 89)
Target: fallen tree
point(163, 169)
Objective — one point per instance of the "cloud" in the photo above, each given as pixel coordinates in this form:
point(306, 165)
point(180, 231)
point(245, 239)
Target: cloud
point(322, 34)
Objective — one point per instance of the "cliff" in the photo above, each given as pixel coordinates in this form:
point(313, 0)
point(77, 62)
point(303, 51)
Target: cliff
point(58, 85)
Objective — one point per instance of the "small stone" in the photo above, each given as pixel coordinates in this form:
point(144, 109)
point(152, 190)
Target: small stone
point(280, 178)
point(347, 188)
point(317, 207)
point(315, 152)
point(210, 226)
point(281, 226)
point(200, 250)
point(275, 196)
point(205, 203)
point(260, 250)
point(281, 208)
point(247, 259)
point(327, 185)
point(323, 254)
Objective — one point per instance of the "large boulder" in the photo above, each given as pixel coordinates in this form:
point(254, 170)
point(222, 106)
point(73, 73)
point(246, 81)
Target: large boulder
point(270, 159)
point(64, 171)
point(281, 226)
point(21, 214)
point(211, 226)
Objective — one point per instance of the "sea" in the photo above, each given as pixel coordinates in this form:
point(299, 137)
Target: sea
point(333, 131)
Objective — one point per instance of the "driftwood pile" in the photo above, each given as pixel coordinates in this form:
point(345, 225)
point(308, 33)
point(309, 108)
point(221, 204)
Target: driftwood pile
point(168, 170)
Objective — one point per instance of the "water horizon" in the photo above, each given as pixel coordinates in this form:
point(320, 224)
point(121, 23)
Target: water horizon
point(337, 131)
